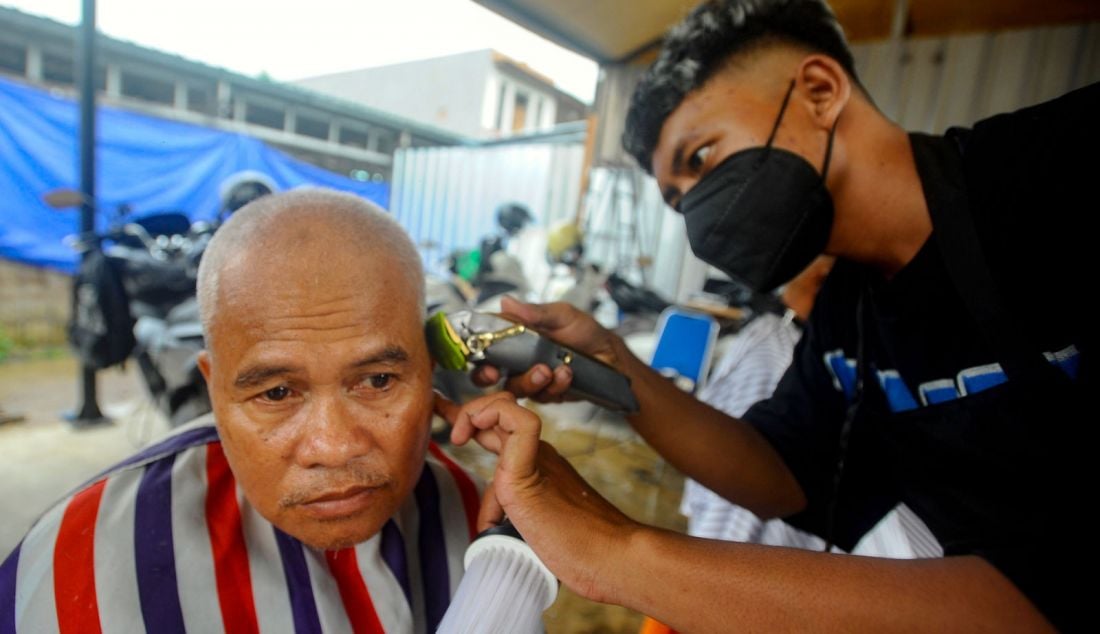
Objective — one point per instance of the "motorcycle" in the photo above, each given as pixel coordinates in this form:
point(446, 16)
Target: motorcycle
point(135, 294)
point(135, 298)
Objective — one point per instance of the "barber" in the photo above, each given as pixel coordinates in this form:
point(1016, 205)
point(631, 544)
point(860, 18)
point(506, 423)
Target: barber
point(945, 364)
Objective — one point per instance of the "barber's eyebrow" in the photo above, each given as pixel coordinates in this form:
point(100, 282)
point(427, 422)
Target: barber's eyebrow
point(257, 375)
point(672, 194)
point(678, 156)
point(389, 354)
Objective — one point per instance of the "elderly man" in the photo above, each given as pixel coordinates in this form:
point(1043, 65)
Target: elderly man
point(307, 503)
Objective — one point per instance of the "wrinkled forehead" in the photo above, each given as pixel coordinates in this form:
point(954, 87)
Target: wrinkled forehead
point(316, 284)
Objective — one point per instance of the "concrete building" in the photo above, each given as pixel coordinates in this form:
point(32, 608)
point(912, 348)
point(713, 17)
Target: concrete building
point(479, 94)
point(342, 137)
point(338, 135)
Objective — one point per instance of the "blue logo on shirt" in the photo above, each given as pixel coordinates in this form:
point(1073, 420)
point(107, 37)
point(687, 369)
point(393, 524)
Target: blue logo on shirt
point(968, 381)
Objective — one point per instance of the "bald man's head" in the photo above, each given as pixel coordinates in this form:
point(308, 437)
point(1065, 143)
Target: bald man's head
point(309, 228)
point(316, 362)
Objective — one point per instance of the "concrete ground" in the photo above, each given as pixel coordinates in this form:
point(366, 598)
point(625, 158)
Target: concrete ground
point(42, 458)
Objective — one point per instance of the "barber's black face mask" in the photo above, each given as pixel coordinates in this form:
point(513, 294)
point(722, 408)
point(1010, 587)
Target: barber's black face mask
point(761, 215)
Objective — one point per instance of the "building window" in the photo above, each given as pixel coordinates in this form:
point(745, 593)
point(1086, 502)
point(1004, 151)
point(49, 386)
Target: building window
point(266, 116)
point(519, 115)
point(539, 103)
point(572, 114)
point(499, 125)
point(353, 137)
point(310, 127)
point(199, 100)
point(58, 68)
point(13, 58)
point(148, 89)
point(386, 143)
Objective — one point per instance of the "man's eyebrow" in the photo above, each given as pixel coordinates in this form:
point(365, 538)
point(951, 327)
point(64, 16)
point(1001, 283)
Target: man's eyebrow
point(259, 374)
point(389, 354)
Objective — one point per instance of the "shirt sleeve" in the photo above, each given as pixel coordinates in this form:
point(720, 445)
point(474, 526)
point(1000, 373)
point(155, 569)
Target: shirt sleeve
point(803, 420)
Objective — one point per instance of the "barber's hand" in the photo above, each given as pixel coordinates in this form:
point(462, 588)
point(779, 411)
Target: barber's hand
point(568, 524)
point(566, 325)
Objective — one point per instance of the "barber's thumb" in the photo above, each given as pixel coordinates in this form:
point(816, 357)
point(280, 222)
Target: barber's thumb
point(524, 312)
point(491, 512)
point(538, 316)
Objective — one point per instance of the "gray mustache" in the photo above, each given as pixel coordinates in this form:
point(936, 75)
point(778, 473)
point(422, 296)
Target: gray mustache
point(336, 480)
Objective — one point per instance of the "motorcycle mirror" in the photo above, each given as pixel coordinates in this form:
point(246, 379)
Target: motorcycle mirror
point(64, 198)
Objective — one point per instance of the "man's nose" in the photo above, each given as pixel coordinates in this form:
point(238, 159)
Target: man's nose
point(332, 435)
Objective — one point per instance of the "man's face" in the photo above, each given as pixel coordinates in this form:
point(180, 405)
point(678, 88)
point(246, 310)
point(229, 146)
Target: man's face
point(735, 110)
point(321, 385)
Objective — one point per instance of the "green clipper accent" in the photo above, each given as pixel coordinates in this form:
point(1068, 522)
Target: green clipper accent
point(446, 346)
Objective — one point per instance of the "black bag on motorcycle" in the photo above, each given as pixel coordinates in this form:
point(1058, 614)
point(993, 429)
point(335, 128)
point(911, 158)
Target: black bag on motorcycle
point(101, 329)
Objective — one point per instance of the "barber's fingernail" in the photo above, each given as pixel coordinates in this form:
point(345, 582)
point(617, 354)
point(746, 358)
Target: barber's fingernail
point(565, 372)
point(540, 376)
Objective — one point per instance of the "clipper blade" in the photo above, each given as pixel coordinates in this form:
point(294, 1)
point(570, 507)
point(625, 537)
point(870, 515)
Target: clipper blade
point(445, 345)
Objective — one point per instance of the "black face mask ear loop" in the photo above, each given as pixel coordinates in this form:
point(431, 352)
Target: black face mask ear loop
point(779, 120)
point(829, 149)
point(775, 126)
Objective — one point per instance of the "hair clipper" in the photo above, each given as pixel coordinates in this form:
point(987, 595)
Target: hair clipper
point(464, 337)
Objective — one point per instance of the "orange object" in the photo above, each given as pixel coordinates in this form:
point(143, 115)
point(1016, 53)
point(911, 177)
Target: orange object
point(653, 626)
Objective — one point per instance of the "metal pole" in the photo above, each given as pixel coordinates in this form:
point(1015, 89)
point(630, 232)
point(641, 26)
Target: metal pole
point(89, 409)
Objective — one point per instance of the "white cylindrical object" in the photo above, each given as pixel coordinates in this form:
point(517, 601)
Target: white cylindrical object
point(506, 589)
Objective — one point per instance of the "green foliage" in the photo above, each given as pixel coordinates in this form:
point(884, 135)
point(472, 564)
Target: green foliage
point(16, 345)
point(6, 344)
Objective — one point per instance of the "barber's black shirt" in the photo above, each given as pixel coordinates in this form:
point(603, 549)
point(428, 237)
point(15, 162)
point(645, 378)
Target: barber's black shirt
point(995, 467)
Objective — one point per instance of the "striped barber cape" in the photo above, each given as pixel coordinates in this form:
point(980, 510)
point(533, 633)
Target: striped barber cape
point(166, 542)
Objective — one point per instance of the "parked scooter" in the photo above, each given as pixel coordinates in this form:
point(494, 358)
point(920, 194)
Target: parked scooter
point(132, 295)
point(136, 298)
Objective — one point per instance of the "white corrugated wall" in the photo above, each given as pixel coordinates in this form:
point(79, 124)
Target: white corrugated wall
point(930, 84)
point(446, 198)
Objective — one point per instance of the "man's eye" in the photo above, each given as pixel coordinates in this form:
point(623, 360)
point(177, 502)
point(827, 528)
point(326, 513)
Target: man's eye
point(277, 393)
point(380, 381)
point(698, 158)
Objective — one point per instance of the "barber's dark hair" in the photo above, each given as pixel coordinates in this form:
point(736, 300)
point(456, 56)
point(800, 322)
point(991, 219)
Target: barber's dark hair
point(714, 32)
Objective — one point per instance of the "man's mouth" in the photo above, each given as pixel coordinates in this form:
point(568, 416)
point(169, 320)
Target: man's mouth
point(341, 503)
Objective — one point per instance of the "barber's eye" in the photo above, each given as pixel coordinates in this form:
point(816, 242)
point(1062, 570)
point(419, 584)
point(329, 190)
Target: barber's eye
point(699, 157)
point(277, 393)
point(380, 381)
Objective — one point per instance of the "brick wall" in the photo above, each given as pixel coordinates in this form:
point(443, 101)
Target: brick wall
point(34, 304)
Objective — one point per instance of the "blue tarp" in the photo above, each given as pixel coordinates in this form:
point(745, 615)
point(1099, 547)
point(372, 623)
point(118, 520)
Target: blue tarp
point(152, 164)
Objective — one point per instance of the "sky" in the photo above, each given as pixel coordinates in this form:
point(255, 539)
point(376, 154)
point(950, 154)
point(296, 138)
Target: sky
point(292, 39)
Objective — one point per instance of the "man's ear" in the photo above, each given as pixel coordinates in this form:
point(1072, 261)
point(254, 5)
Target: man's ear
point(203, 361)
point(826, 87)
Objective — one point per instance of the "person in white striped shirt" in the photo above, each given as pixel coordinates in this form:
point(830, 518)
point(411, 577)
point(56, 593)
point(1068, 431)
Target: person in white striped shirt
point(311, 500)
point(748, 372)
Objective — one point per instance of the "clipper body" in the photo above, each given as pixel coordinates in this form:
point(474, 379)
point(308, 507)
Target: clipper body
point(465, 337)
